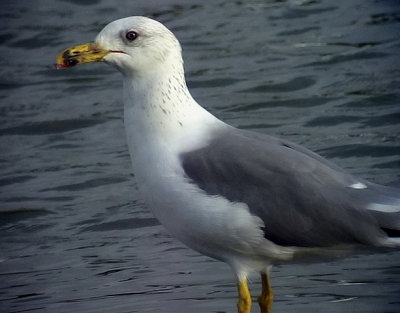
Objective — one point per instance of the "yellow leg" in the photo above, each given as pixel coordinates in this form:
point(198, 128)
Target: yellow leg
point(244, 302)
point(267, 295)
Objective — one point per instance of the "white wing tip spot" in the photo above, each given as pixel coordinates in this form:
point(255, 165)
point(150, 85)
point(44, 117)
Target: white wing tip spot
point(358, 185)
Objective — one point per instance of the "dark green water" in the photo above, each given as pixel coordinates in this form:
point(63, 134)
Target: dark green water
point(74, 234)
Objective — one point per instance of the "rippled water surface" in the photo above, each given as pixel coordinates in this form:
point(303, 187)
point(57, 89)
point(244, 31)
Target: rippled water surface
point(74, 234)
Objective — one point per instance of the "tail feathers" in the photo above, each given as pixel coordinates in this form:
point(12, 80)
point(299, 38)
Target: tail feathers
point(384, 205)
point(392, 233)
point(389, 222)
point(394, 242)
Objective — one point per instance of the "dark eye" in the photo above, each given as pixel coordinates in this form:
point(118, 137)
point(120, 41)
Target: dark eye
point(131, 35)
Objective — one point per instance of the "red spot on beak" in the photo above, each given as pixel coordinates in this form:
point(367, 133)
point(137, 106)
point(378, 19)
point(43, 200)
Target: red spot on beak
point(60, 65)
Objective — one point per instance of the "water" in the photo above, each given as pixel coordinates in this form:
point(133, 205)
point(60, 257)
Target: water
point(75, 236)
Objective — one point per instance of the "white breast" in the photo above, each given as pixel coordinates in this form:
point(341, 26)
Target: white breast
point(158, 130)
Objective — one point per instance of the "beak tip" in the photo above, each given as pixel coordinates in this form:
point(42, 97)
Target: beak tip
point(65, 63)
point(59, 66)
point(86, 53)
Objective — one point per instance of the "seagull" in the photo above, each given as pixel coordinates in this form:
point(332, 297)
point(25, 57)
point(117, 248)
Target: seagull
point(244, 198)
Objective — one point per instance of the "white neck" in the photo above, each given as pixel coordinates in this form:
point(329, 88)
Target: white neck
point(162, 120)
point(159, 110)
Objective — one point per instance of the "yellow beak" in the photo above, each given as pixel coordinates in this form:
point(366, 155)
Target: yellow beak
point(87, 53)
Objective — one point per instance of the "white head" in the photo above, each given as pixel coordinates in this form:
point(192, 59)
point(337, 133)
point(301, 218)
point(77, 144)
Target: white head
point(133, 45)
point(159, 109)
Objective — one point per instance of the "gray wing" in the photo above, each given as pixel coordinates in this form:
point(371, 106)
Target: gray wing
point(303, 199)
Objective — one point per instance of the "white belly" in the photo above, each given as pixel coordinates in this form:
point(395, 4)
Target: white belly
point(209, 224)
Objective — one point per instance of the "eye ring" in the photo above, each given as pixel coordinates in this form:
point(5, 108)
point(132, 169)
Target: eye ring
point(131, 35)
